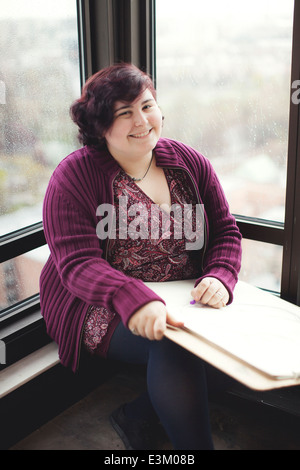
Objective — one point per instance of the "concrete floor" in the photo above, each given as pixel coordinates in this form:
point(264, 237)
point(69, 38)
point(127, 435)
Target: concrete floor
point(237, 424)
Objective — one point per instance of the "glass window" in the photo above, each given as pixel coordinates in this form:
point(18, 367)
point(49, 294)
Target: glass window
point(223, 75)
point(261, 264)
point(39, 79)
point(19, 277)
point(223, 81)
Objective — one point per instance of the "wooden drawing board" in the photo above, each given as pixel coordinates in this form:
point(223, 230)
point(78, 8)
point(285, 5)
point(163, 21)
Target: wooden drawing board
point(258, 368)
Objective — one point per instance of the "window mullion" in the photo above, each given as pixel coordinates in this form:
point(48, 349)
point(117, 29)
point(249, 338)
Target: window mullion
point(290, 285)
point(21, 241)
point(261, 230)
point(84, 39)
point(96, 35)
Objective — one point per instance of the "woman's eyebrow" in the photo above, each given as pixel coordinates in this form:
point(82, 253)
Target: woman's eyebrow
point(123, 107)
point(148, 100)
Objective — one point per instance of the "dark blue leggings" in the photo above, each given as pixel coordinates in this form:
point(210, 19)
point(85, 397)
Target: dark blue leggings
point(176, 388)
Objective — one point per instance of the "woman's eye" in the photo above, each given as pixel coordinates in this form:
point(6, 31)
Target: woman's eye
point(124, 114)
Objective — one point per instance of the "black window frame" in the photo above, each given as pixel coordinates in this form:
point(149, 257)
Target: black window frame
point(111, 31)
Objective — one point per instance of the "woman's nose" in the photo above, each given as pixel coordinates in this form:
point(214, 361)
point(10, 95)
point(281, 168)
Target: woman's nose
point(139, 119)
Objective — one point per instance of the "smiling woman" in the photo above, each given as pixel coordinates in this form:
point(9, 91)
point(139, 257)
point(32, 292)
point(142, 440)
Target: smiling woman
point(93, 292)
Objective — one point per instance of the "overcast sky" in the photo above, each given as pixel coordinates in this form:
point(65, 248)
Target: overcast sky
point(65, 8)
point(37, 8)
point(213, 8)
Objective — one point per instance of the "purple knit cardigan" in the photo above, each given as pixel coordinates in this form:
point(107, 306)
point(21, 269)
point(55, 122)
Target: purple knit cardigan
point(77, 274)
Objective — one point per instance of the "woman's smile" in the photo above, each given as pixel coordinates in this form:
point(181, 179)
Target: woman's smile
point(141, 135)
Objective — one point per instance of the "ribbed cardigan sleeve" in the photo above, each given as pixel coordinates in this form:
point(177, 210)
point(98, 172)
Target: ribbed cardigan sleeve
point(70, 231)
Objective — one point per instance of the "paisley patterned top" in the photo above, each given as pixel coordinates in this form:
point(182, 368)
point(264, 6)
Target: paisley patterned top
point(148, 243)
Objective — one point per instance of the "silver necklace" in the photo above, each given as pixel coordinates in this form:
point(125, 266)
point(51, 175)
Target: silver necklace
point(140, 179)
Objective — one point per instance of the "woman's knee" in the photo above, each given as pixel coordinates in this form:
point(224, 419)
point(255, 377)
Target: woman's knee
point(125, 346)
point(172, 353)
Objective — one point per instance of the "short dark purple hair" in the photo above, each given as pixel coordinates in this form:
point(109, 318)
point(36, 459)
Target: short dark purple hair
point(93, 112)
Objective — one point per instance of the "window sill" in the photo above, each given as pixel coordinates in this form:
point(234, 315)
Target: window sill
point(23, 333)
point(28, 368)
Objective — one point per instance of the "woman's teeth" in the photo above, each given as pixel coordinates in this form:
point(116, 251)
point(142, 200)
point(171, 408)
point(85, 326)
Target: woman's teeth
point(139, 136)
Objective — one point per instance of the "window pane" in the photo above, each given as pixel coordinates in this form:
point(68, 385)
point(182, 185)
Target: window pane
point(19, 277)
point(261, 264)
point(39, 79)
point(223, 82)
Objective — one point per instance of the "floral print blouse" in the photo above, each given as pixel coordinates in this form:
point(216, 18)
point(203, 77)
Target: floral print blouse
point(153, 248)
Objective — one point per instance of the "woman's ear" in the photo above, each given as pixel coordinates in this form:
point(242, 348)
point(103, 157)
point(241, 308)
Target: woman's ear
point(162, 116)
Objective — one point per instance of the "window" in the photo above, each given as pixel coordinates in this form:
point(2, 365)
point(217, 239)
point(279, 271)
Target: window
point(230, 87)
point(223, 76)
point(40, 77)
point(19, 276)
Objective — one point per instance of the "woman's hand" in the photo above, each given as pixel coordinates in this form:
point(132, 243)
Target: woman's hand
point(210, 291)
point(150, 321)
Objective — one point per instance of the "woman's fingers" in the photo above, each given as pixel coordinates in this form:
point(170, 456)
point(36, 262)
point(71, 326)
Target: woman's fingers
point(149, 321)
point(210, 291)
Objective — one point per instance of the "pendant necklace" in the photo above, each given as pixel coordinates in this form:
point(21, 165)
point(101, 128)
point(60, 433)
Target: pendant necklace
point(140, 179)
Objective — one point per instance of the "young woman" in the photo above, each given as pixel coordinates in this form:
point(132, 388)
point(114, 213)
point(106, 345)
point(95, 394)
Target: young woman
point(93, 294)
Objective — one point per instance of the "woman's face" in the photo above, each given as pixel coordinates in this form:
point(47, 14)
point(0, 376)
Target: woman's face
point(136, 127)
